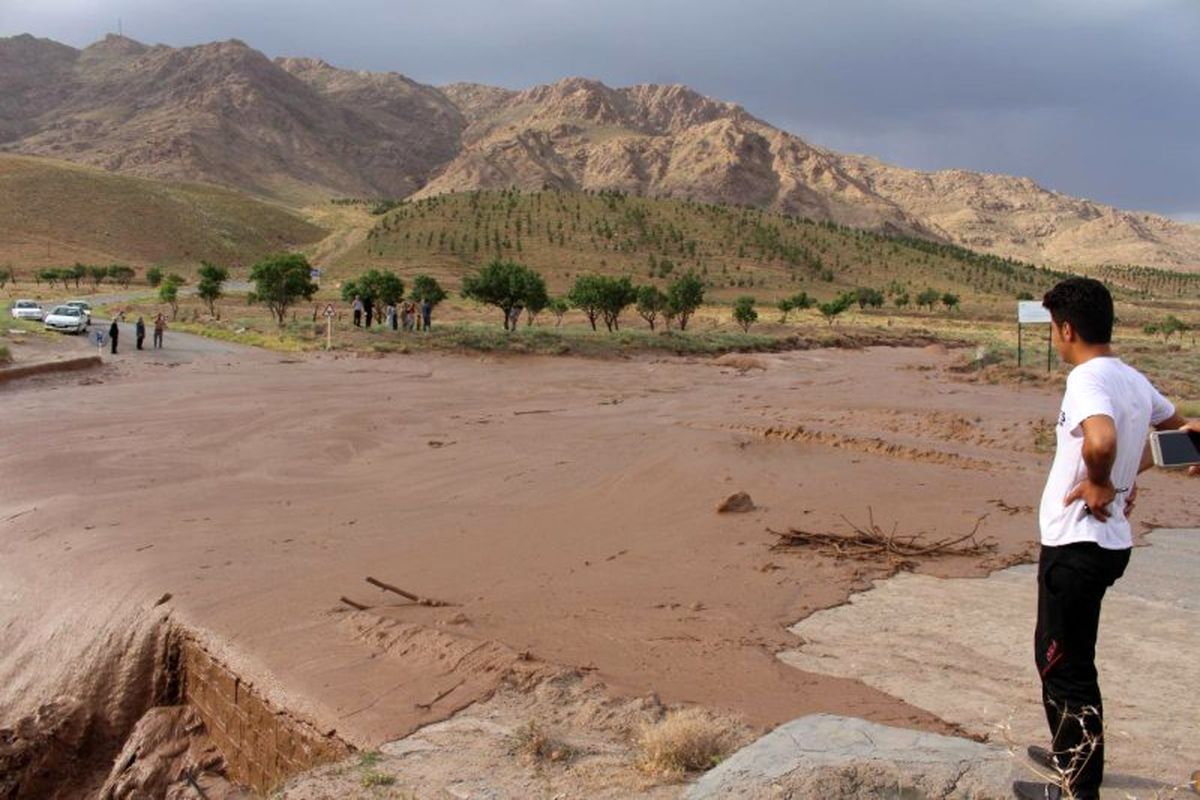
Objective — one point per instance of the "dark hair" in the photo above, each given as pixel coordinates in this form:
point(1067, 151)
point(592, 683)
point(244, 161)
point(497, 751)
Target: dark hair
point(1086, 304)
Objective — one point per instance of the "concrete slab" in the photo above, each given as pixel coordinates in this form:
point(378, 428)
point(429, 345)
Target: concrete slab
point(963, 650)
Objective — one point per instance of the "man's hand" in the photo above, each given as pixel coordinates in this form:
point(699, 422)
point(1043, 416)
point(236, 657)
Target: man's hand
point(1194, 427)
point(1096, 496)
point(1131, 501)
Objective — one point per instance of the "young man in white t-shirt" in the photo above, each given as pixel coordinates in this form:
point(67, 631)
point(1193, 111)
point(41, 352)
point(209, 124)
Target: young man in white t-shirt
point(1107, 409)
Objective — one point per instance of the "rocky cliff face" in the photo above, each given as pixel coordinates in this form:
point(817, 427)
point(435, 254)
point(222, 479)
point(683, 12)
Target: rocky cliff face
point(299, 128)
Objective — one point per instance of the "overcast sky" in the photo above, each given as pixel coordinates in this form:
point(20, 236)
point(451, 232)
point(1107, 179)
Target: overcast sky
point(1097, 98)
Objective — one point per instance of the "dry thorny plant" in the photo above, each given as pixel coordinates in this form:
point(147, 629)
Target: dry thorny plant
point(873, 542)
point(1075, 758)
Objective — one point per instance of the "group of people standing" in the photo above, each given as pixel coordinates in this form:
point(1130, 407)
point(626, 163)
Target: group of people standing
point(410, 316)
point(139, 329)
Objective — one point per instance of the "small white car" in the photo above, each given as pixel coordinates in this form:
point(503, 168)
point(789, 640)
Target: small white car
point(84, 306)
point(27, 309)
point(68, 319)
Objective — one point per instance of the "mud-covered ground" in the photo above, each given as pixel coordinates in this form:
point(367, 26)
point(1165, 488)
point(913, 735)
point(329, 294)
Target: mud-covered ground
point(565, 508)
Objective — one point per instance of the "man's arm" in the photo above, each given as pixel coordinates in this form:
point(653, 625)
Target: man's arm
point(1099, 454)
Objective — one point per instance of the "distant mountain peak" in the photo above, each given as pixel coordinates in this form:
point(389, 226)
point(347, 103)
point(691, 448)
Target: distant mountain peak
point(303, 129)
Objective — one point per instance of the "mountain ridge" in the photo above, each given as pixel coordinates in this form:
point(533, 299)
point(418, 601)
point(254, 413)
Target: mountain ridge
point(300, 129)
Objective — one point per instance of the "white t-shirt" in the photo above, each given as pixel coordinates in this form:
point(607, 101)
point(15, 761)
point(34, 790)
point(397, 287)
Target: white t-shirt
point(1108, 386)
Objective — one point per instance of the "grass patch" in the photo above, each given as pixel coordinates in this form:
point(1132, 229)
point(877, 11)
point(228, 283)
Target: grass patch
point(284, 341)
point(687, 740)
point(532, 742)
point(371, 779)
point(5, 355)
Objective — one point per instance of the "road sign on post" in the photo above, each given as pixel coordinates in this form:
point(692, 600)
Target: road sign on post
point(1031, 312)
point(329, 314)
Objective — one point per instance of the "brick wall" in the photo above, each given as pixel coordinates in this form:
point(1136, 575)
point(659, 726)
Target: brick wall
point(262, 746)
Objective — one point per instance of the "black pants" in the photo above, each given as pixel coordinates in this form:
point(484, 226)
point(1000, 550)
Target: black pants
point(1072, 580)
point(357, 318)
point(113, 339)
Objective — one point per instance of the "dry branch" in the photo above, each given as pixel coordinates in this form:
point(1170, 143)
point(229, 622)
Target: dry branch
point(424, 601)
point(353, 604)
point(873, 542)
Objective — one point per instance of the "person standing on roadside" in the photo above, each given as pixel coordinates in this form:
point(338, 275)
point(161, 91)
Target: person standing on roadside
point(140, 331)
point(114, 333)
point(368, 310)
point(426, 314)
point(357, 307)
point(160, 325)
point(1107, 409)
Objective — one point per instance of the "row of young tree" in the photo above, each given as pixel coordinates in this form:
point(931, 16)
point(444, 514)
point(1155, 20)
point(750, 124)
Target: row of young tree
point(514, 288)
point(77, 274)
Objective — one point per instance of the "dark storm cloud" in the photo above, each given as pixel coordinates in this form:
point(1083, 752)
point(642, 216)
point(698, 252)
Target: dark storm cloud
point(1099, 98)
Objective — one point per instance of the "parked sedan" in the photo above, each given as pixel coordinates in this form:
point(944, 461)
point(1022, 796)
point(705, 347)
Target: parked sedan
point(84, 306)
point(69, 319)
point(27, 309)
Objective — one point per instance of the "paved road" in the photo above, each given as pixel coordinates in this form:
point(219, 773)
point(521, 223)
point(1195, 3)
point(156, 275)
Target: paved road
point(176, 346)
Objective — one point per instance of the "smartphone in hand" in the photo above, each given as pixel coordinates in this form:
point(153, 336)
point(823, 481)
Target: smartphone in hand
point(1175, 449)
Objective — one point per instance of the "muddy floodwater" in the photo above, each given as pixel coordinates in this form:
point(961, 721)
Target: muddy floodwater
point(193, 532)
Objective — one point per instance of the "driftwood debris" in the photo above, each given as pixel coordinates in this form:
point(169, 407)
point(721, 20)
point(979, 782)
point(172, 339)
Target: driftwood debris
point(353, 604)
point(440, 696)
point(873, 542)
point(424, 601)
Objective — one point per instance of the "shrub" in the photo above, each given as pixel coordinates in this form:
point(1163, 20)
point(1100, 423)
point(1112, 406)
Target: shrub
point(685, 741)
point(744, 313)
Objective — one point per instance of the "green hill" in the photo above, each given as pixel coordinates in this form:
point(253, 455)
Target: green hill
point(53, 213)
point(736, 250)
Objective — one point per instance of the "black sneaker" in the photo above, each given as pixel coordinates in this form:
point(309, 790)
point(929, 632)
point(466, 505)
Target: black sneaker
point(1043, 758)
point(1029, 790)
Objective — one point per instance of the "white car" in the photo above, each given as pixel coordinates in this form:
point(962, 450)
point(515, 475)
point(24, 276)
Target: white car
point(84, 306)
point(69, 319)
point(27, 309)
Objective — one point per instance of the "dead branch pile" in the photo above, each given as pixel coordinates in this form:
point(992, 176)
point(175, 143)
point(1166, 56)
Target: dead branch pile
point(872, 542)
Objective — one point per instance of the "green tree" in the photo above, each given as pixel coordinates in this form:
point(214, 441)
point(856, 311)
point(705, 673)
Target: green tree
point(121, 274)
point(585, 295)
point(210, 287)
point(50, 276)
point(536, 300)
point(744, 313)
point(785, 307)
point(426, 288)
point(280, 281)
point(868, 297)
point(559, 307)
point(928, 298)
point(836, 307)
point(505, 285)
point(154, 276)
point(684, 296)
point(377, 287)
point(7, 275)
point(901, 300)
point(97, 276)
point(76, 273)
point(950, 300)
point(1170, 326)
point(605, 296)
point(650, 303)
point(168, 292)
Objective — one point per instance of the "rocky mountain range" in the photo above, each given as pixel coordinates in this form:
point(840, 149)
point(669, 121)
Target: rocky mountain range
point(299, 130)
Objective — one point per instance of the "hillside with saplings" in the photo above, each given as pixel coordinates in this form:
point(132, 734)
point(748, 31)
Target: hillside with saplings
point(735, 250)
